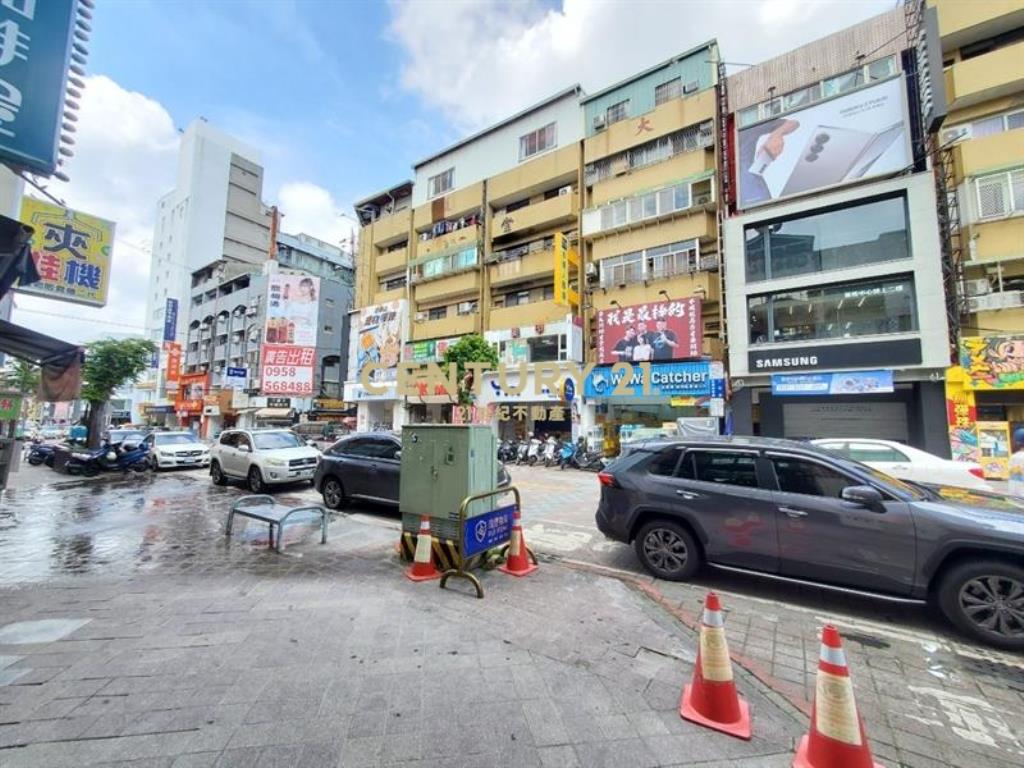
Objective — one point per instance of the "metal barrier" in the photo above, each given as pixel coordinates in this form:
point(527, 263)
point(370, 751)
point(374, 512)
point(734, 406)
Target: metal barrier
point(487, 531)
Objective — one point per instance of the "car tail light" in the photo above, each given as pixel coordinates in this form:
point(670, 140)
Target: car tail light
point(977, 472)
point(607, 479)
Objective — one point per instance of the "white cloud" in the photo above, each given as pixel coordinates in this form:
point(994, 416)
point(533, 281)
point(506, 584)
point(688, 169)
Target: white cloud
point(125, 158)
point(482, 61)
point(311, 209)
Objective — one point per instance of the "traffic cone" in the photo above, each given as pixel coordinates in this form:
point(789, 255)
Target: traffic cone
point(519, 555)
point(837, 733)
point(711, 699)
point(422, 568)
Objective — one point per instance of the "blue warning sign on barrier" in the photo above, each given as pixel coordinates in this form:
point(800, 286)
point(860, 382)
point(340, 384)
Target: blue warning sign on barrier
point(490, 529)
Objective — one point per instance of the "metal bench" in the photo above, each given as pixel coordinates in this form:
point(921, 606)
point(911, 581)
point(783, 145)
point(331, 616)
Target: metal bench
point(265, 509)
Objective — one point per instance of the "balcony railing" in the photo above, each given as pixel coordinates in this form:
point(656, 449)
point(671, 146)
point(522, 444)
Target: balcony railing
point(649, 205)
point(435, 267)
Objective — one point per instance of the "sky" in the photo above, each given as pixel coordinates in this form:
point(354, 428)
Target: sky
point(341, 98)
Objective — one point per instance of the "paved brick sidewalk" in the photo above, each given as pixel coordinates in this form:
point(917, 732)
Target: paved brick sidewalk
point(328, 656)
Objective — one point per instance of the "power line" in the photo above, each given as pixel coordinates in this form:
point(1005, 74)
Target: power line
point(79, 318)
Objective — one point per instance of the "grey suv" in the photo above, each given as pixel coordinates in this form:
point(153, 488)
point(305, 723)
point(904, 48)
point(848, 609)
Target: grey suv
point(795, 511)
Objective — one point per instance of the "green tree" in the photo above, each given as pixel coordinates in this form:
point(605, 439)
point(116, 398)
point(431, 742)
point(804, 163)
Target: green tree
point(21, 376)
point(471, 348)
point(109, 364)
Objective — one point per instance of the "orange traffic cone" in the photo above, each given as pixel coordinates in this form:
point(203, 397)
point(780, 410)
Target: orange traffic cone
point(837, 731)
point(422, 568)
point(711, 699)
point(519, 555)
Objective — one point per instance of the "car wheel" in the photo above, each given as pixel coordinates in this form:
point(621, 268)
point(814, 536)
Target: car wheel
point(35, 461)
point(154, 464)
point(48, 461)
point(90, 470)
point(667, 550)
point(255, 480)
point(217, 474)
point(334, 493)
point(985, 599)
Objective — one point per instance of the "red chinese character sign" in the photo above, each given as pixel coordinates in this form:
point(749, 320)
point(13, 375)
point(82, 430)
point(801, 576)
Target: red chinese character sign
point(657, 331)
point(72, 253)
point(287, 369)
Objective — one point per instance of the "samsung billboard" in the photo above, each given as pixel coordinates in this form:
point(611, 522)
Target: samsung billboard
point(859, 135)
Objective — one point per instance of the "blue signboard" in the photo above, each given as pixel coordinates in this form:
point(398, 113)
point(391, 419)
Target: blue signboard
point(686, 379)
point(490, 529)
point(35, 45)
point(846, 383)
point(170, 319)
point(568, 390)
point(235, 378)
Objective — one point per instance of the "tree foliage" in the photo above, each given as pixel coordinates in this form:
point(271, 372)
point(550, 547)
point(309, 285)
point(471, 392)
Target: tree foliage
point(21, 376)
point(109, 364)
point(471, 348)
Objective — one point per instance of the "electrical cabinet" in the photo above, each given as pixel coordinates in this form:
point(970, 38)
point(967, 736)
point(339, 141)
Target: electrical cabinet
point(441, 465)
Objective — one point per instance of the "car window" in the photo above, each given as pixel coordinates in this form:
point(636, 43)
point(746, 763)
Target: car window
point(875, 452)
point(809, 478)
point(359, 446)
point(724, 467)
point(665, 462)
point(843, 449)
point(386, 449)
point(268, 441)
point(242, 441)
point(229, 439)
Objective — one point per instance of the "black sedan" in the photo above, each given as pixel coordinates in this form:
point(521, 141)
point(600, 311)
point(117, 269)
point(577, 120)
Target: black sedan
point(366, 466)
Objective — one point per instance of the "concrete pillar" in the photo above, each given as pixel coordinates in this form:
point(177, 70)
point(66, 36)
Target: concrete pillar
point(742, 404)
point(931, 414)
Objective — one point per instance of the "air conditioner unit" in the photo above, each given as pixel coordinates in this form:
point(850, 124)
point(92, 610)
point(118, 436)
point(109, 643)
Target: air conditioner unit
point(691, 86)
point(957, 134)
point(979, 287)
point(566, 190)
point(620, 166)
point(421, 317)
point(704, 199)
point(599, 123)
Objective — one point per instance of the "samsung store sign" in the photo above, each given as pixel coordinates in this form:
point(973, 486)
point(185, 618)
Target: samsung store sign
point(874, 354)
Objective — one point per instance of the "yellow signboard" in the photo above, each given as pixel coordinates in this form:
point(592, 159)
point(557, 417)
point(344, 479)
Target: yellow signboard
point(72, 253)
point(566, 261)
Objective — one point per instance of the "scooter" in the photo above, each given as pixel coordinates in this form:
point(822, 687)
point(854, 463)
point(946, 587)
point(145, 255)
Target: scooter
point(122, 457)
point(550, 452)
point(41, 453)
point(565, 454)
point(507, 451)
point(533, 451)
point(522, 447)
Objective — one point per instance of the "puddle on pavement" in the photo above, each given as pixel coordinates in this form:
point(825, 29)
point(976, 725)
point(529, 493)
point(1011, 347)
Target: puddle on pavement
point(39, 631)
point(123, 525)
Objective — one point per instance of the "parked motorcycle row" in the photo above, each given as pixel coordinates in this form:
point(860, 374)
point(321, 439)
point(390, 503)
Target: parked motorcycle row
point(552, 452)
point(111, 457)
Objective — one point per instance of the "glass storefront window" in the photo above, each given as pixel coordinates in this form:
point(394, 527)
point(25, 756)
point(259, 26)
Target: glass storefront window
point(840, 311)
point(838, 239)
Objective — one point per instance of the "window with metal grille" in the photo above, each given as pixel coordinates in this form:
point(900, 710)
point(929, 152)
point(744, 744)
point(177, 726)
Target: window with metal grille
point(617, 112)
point(441, 183)
point(688, 139)
point(437, 313)
point(1000, 194)
point(673, 89)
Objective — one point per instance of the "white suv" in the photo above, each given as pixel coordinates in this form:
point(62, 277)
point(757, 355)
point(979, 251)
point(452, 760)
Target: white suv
point(262, 457)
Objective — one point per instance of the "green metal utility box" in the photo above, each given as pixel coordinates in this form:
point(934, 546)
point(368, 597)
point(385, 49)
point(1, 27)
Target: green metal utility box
point(441, 465)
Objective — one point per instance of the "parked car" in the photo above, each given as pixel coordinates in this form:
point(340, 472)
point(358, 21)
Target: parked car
point(176, 449)
point(367, 466)
point(906, 463)
point(796, 511)
point(117, 436)
point(262, 457)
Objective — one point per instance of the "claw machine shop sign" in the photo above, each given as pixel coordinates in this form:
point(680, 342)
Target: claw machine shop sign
point(287, 369)
point(71, 251)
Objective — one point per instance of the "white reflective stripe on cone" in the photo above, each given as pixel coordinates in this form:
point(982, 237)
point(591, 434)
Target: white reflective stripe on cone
point(835, 656)
point(713, 618)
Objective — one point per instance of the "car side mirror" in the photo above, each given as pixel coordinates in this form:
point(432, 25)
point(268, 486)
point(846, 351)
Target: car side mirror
point(864, 496)
point(398, 453)
point(245, 449)
point(311, 442)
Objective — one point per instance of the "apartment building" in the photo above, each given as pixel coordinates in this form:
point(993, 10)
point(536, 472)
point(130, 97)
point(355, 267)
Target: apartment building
point(983, 59)
point(833, 260)
point(214, 213)
point(650, 244)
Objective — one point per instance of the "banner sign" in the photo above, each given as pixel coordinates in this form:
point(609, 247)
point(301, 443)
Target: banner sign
point(235, 378)
point(173, 350)
point(658, 331)
point(425, 351)
point(377, 338)
point(71, 251)
point(993, 362)
point(667, 379)
point(567, 266)
point(10, 407)
point(192, 390)
point(491, 529)
point(170, 319)
point(845, 139)
point(36, 41)
point(292, 310)
point(287, 369)
point(851, 383)
point(896, 353)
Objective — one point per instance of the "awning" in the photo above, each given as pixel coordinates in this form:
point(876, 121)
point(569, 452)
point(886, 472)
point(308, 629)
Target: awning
point(274, 414)
point(33, 346)
point(247, 409)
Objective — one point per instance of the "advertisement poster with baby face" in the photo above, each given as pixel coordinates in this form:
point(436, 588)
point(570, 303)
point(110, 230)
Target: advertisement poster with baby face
point(860, 135)
point(292, 310)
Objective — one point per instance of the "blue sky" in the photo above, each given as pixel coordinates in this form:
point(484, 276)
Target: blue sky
point(342, 97)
